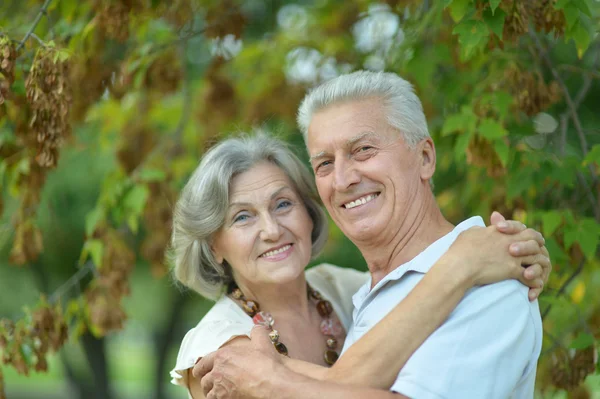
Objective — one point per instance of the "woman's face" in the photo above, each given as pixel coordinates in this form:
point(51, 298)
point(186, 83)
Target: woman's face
point(266, 235)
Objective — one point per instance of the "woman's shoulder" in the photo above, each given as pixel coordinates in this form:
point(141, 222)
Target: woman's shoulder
point(338, 285)
point(223, 322)
point(337, 275)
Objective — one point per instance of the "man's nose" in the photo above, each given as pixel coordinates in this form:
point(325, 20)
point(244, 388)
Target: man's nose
point(345, 175)
point(270, 228)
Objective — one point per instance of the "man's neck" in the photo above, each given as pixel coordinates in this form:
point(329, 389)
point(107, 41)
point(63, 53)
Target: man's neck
point(413, 237)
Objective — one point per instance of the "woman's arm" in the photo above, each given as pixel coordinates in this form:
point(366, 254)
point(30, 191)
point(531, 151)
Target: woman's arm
point(194, 384)
point(479, 256)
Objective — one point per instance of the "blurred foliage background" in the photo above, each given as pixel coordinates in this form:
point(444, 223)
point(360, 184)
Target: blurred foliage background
point(106, 107)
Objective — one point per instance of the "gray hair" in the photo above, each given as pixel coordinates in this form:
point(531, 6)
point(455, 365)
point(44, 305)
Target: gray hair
point(404, 109)
point(201, 208)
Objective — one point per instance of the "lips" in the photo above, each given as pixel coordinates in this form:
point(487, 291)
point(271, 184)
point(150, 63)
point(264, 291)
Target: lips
point(360, 201)
point(276, 251)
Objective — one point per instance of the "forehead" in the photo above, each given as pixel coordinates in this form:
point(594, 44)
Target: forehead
point(341, 124)
point(261, 180)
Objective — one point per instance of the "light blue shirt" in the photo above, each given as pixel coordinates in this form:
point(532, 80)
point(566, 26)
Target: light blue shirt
point(487, 348)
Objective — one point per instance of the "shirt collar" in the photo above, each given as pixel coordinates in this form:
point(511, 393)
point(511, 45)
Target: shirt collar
point(420, 263)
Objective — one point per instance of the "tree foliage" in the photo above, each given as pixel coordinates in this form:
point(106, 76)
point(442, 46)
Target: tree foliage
point(509, 87)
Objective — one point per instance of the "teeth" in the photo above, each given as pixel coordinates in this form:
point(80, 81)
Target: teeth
point(360, 201)
point(277, 251)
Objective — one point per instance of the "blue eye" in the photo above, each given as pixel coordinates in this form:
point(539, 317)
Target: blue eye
point(284, 204)
point(240, 218)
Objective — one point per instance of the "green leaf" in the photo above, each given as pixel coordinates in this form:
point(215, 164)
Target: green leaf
point(583, 7)
point(135, 199)
point(459, 8)
point(461, 146)
point(93, 248)
point(586, 233)
point(593, 156)
point(502, 101)
point(588, 237)
point(495, 21)
point(463, 122)
point(494, 5)
point(502, 150)
point(92, 219)
point(557, 254)
point(582, 341)
point(133, 223)
point(472, 35)
point(519, 182)
point(561, 4)
point(571, 15)
point(550, 222)
point(490, 129)
point(149, 175)
point(582, 39)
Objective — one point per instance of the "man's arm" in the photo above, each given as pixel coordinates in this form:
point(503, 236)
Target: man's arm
point(295, 386)
point(247, 373)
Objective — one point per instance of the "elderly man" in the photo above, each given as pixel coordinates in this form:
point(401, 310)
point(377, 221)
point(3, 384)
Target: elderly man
point(373, 160)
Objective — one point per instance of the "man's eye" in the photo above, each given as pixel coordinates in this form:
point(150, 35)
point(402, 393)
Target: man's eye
point(365, 148)
point(323, 164)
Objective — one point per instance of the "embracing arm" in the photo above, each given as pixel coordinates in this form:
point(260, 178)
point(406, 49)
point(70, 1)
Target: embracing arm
point(399, 334)
point(294, 386)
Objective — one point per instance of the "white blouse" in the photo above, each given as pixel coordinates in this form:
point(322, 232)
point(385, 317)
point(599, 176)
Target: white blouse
point(226, 320)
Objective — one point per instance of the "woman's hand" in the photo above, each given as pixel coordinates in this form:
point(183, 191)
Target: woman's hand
point(530, 272)
point(498, 253)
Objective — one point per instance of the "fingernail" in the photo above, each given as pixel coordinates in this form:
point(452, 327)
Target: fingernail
point(515, 248)
point(502, 225)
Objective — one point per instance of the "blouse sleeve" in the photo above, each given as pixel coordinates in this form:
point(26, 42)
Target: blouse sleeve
point(202, 340)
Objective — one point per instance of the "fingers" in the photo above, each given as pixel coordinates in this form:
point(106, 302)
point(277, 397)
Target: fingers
point(496, 218)
point(204, 365)
point(259, 336)
point(510, 226)
point(534, 293)
point(547, 267)
point(524, 248)
point(207, 384)
point(541, 260)
point(532, 282)
point(533, 272)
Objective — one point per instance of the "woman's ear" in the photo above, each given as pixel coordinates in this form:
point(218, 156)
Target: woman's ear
point(216, 254)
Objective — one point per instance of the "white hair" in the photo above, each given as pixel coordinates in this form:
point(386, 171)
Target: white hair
point(403, 107)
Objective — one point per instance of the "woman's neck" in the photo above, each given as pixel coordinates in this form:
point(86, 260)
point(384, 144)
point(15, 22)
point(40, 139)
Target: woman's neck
point(281, 300)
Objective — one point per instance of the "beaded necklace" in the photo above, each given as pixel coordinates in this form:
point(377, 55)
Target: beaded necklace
point(330, 326)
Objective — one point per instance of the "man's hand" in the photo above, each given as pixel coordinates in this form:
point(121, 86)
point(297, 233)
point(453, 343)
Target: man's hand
point(241, 371)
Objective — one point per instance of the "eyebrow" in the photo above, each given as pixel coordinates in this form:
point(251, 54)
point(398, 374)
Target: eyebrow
point(349, 143)
point(275, 194)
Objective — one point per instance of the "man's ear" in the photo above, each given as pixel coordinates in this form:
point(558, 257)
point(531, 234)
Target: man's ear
point(428, 158)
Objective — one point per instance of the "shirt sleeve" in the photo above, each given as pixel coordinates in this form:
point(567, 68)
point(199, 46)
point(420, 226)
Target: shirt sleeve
point(487, 348)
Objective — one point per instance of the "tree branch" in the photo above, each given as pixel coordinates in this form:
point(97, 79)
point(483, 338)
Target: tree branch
point(72, 282)
point(562, 289)
point(40, 41)
point(39, 16)
point(568, 99)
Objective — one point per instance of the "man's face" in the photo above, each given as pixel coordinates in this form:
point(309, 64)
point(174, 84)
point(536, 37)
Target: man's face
point(370, 181)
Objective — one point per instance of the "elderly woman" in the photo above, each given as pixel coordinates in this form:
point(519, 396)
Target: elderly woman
point(245, 228)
